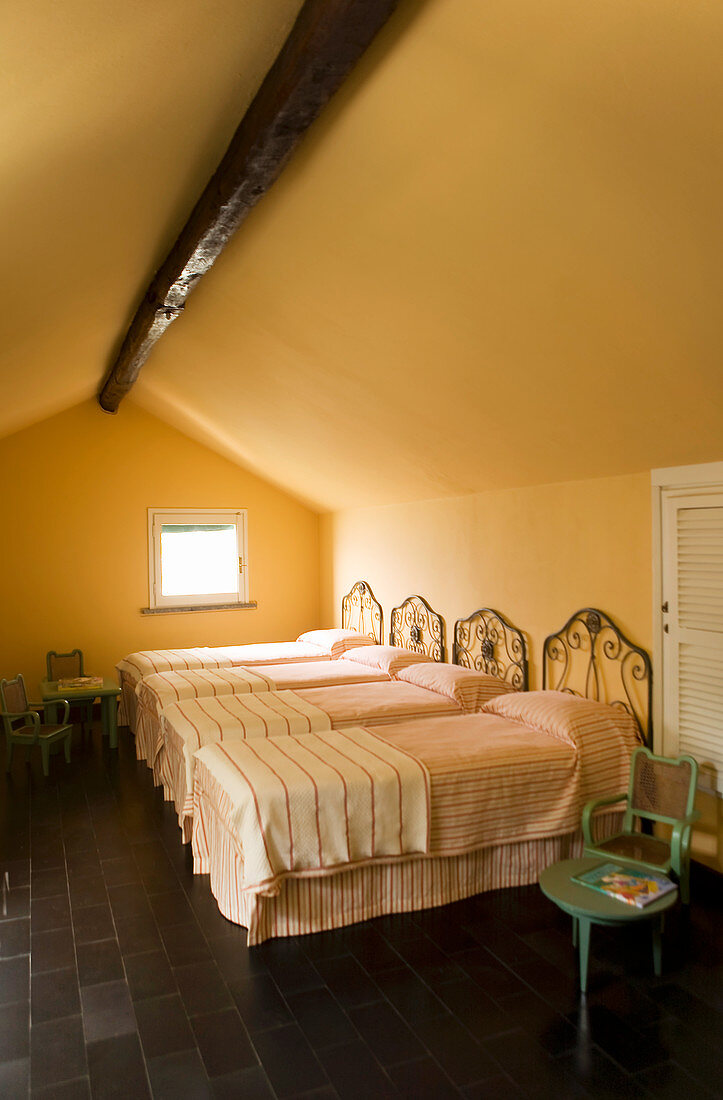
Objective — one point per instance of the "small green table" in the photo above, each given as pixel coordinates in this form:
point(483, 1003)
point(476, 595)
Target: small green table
point(587, 906)
point(108, 694)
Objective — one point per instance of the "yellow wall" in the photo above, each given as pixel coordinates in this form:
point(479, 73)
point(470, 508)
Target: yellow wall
point(534, 554)
point(74, 541)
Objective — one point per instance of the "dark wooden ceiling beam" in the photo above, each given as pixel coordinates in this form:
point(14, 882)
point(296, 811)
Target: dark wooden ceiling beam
point(326, 41)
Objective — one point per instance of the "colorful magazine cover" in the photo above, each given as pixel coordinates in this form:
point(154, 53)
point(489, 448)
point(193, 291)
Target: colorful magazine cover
point(632, 885)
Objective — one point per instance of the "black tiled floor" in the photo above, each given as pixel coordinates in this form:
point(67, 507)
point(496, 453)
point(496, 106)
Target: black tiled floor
point(163, 1025)
point(99, 961)
point(55, 994)
point(223, 1041)
point(119, 977)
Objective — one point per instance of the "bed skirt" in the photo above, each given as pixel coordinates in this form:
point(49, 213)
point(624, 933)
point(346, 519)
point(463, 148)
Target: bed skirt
point(320, 903)
point(147, 731)
point(127, 704)
point(169, 771)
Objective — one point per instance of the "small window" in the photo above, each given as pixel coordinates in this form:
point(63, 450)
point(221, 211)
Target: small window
point(197, 558)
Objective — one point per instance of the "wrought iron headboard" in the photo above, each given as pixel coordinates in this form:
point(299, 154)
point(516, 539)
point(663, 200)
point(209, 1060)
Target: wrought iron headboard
point(487, 642)
point(415, 626)
point(592, 658)
point(361, 611)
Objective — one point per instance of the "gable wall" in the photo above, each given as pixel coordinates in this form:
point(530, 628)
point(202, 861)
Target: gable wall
point(74, 541)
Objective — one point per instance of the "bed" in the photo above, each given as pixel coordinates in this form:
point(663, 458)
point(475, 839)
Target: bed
point(362, 619)
point(413, 687)
point(288, 833)
point(415, 633)
point(163, 689)
point(420, 691)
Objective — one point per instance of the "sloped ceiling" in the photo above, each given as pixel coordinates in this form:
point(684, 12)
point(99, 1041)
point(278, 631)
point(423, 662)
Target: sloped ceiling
point(494, 261)
point(114, 114)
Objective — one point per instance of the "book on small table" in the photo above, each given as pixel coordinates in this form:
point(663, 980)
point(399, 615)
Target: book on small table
point(632, 885)
point(80, 683)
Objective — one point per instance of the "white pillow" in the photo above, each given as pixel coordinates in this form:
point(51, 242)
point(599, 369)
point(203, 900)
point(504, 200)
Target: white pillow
point(387, 658)
point(335, 642)
point(467, 687)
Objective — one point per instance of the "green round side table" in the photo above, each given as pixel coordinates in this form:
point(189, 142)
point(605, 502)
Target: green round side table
point(587, 906)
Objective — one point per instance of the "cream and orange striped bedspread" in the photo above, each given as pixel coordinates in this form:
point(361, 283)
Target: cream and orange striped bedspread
point(356, 797)
point(136, 666)
point(161, 689)
point(377, 704)
point(497, 780)
point(184, 727)
point(493, 780)
point(193, 723)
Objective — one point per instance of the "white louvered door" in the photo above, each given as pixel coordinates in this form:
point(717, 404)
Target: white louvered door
point(693, 627)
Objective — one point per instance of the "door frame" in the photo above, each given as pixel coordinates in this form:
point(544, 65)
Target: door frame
point(706, 478)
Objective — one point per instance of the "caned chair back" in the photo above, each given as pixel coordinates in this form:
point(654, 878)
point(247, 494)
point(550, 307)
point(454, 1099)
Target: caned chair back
point(61, 666)
point(662, 788)
point(14, 696)
point(14, 700)
point(27, 729)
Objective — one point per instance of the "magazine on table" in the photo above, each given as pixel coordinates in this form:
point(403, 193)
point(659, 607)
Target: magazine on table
point(632, 885)
point(80, 683)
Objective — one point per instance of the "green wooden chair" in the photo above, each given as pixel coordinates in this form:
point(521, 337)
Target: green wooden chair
point(23, 726)
point(62, 666)
point(661, 789)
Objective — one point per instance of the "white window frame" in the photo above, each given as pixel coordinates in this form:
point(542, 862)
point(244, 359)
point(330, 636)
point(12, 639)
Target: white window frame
point(156, 518)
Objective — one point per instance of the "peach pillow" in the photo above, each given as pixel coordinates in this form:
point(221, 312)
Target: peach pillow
point(387, 658)
point(335, 642)
point(563, 715)
point(468, 688)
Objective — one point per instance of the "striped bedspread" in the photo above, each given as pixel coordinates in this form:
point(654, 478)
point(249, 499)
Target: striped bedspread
point(136, 666)
point(161, 689)
point(185, 727)
point(378, 704)
point(355, 798)
point(199, 722)
point(493, 780)
point(188, 726)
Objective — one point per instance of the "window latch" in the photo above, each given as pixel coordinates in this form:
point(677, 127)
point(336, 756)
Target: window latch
point(240, 565)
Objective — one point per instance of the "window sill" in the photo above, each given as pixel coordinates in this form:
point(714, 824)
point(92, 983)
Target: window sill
point(199, 607)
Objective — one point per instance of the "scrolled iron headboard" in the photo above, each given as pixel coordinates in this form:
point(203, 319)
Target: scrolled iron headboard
point(361, 611)
point(592, 658)
point(415, 626)
point(487, 642)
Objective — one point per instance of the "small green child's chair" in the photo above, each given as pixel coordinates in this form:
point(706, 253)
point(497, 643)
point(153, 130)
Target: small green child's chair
point(23, 726)
point(661, 789)
point(61, 666)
